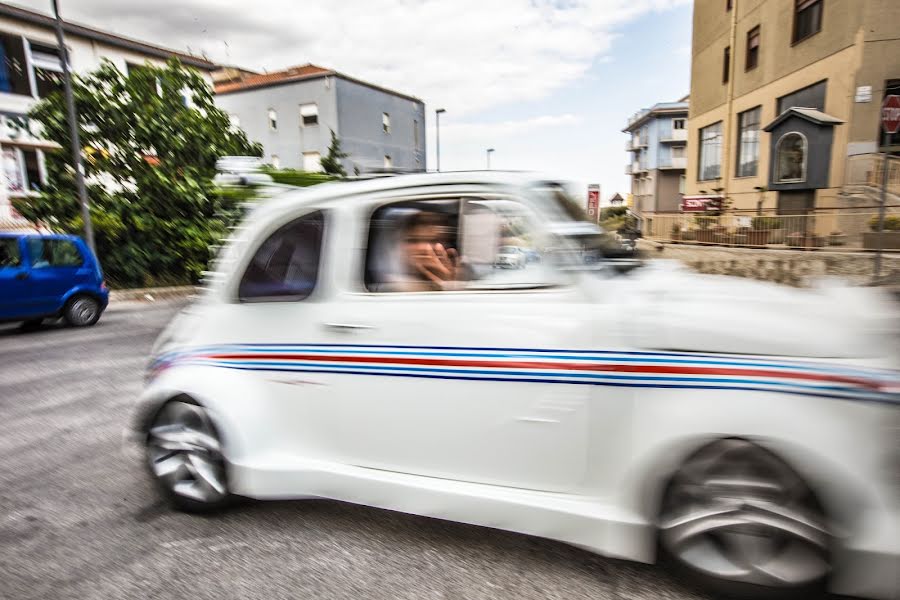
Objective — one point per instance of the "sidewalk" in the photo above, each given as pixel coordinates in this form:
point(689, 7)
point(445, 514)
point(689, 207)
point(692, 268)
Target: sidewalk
point(152, 294)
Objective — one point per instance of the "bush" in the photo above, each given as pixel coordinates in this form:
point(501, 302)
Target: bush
point(705, 221)
point(891, 223)
point(765, 223)
point(613, 211)
point(297, 178)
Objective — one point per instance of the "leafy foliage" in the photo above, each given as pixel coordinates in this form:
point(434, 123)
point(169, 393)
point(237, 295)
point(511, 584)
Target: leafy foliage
point(891, 223)
point(331, 164)
point(149, 161)
point(765, 223)
point(297, 178)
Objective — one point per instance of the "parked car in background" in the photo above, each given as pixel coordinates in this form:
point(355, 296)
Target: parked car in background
point(354, 342)
point(510, 257)
point(50, 276)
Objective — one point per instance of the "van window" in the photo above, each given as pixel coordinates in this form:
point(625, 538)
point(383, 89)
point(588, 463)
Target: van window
point(286, 265)
point(53, 253)
point(9, 253)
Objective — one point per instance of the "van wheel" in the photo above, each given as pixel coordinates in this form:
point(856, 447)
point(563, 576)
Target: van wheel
point(739, 521)
point(184, 454)
point(82, 311)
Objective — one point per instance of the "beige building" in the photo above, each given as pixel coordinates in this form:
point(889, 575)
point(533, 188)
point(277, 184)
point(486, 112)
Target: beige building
point(753, 62)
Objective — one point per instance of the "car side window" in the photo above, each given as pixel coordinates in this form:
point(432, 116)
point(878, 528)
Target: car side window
point(47, 253)
point(285, 267)
point(9, 253)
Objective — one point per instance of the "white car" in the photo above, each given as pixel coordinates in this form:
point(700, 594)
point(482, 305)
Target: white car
point(748, 430)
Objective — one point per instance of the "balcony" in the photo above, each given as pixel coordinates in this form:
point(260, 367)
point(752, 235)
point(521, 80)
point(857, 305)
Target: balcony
point(628, 169)
point(674, 136)
point(673, 163)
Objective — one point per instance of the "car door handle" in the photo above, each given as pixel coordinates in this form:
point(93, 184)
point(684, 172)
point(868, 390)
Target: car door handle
point(23, 275)
point(346, 327)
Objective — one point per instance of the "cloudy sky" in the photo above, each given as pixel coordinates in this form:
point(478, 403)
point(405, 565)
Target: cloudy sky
point(548, 83)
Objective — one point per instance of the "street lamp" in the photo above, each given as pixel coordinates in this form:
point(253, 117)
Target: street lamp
point(437, 126)
point(489, 152)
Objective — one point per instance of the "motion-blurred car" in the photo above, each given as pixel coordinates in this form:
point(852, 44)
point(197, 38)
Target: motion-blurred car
point(50, 276)
point(510, 257)
point(746, 429)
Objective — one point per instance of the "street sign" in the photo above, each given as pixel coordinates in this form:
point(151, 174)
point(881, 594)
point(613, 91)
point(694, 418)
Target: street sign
point(701, 203)
point(593, 203)
point(890, 114)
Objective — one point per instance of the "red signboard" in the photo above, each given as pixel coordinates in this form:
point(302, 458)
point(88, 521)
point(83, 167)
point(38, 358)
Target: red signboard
point(701, 203)
point(890, 114)
point(593, 203)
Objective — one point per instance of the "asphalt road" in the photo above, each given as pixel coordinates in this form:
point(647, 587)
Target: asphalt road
point(79, 518)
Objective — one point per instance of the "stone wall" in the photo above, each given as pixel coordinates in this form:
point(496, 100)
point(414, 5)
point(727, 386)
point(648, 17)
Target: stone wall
point(791, 267)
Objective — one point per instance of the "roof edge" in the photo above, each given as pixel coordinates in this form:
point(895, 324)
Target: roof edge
point(311, 76)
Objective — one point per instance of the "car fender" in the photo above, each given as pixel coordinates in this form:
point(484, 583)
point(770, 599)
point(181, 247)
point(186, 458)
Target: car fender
point(85, 289)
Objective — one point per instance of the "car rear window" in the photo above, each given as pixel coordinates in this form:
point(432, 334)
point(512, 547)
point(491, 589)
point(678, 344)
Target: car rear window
point(286, 265)
point(9, 253)
point(53, 253)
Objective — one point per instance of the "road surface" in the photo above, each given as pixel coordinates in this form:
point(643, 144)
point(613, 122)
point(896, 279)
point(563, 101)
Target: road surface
point(79, 519)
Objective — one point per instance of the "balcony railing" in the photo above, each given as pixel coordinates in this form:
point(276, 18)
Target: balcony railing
point(676, 135)
point(678, 162)
point(628, 169)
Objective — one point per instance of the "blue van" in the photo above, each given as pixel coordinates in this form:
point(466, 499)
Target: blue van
point(43, 276)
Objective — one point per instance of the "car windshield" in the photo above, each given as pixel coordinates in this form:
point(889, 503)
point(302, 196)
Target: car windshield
point(508, 249)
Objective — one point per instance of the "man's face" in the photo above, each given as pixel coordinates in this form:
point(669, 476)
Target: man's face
point(419, 241)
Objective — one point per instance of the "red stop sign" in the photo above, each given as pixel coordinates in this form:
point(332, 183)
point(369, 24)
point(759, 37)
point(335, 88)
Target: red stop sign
point(890, 114)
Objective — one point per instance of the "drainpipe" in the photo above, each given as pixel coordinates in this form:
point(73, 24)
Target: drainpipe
point(729, 102)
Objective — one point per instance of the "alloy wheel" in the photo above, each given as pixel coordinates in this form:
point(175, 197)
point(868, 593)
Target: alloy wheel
point(185, 453)
point(738, 513)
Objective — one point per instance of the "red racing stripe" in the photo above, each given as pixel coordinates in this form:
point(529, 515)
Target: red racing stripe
point(590, 367)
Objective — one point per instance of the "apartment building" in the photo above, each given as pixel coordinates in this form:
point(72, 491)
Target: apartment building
point(31, 68)
point(657, 156)
point(293, 112)
point(784, 94)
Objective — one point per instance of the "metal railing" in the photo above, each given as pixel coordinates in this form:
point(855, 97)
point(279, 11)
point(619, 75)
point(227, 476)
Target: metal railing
point(837, 229)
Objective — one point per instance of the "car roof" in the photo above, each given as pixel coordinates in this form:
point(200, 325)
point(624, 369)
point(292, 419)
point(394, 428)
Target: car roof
point(287, 197)
point(27, 234)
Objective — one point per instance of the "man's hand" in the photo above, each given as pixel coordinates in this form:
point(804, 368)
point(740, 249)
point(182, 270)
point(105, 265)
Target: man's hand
point(438, 265)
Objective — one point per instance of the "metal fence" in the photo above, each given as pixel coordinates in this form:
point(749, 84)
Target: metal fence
point(839, 229)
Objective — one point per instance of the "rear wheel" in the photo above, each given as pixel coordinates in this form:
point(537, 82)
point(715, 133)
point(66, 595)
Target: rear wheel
point(741, 522)
point(184, 453)
point(82, 311)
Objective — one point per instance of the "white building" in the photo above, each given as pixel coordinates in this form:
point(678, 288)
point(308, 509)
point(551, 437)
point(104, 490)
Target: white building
point(30, 68)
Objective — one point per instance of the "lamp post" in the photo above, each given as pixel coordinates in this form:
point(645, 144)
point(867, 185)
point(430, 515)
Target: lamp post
point(489, 152)
point(437, 126)
point(77, 164)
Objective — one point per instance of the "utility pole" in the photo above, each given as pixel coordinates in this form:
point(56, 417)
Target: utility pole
point(489, 152)
point(885, 164)
point(77, 163)
point(437, 117)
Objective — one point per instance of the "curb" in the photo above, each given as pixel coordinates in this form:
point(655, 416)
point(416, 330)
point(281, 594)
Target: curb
point(152, 294)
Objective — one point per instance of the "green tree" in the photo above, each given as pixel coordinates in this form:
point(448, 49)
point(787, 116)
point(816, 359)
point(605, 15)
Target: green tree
point(331, 164)
point(150, 157)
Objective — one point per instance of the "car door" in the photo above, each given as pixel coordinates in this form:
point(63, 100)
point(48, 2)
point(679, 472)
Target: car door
point(466, 384)
point(15, 300)
point(56, 267)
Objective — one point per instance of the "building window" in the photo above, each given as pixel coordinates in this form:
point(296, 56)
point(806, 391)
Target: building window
point(726, 64)
point(678, 124)
point(386, 122)
point(710, 152)
point(312, 162)
point(309, 114)
point(790, 158)
point(23, 171)
point(276, 162)
point(752, 49)
point(46, 63)
point(748, 143)
point(812, 96)
point(729, 4)
point(273, 119)
point(13, 65)
point(807, 19)
point(388, 163)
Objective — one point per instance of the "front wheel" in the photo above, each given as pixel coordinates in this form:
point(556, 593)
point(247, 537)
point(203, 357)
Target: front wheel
point(184, 454)
point(741, 522)
point(82, 311)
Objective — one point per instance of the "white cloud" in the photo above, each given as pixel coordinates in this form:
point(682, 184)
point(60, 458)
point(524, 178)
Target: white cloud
point(464, 55)
point(464, 132)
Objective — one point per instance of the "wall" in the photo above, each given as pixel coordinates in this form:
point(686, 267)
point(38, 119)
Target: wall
point(791, 267)
point(360, 109)
point(667, 197)
point(291, 139)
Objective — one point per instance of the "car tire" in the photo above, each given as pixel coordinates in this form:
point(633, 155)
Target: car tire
point(82, 311)
point(741, 523)
point(184, 457)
